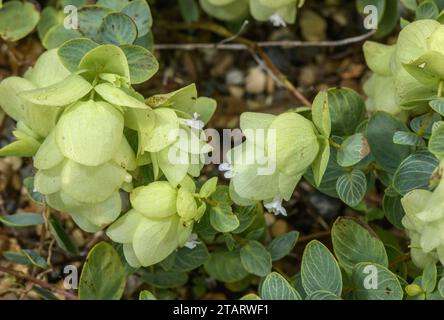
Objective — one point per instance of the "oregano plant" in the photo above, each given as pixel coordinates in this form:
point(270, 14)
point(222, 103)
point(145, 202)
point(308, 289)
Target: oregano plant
point(167, 204)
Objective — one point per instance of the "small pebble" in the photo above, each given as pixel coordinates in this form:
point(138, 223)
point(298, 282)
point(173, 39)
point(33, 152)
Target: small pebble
point(256, 81)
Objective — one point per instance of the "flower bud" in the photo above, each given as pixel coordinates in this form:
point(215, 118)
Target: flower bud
point(186, 205)
point(157, 200)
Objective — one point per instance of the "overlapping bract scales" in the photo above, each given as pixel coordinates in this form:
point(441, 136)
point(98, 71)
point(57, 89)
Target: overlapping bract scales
point(176, 145)
point(161, 220)
point(272, 160)
point(84, 158)
point(424, 223)
point(406, 75)
point(74, 124)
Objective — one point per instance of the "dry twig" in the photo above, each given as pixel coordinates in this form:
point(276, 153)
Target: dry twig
point(41, 283)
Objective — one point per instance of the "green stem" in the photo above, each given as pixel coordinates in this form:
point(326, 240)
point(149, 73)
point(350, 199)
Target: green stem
point(93, 92)
point(440, 88)
point(211, 202)
point(334, 144)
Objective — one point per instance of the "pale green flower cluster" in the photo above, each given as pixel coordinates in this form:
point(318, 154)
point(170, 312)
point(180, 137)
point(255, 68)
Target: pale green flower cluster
point(75, 135)
point(278, 12)
point(424, 223)
point(161, 220)
point(269, 168)
point(407, 74)
point(175, 143)
point(74, 124)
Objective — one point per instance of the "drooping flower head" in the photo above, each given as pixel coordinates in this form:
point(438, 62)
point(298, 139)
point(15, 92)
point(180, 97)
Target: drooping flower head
point(273, 158)
point(424, 223)
point(407, 74)
point(160, 221)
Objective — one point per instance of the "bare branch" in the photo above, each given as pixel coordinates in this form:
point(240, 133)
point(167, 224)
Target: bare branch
point(287, 44)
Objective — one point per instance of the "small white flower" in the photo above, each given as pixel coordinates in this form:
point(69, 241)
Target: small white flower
point(277, 21)
point(195, 123)
point(192, 241)
point(276, 207)
point(227, 169)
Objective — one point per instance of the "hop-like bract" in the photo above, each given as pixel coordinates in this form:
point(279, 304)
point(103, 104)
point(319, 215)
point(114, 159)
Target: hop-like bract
point(424, 223)
point(89, 132)
point(34, 121)
point(272, 160)
point(84, 158)
point(407, 74)
point(161, 220)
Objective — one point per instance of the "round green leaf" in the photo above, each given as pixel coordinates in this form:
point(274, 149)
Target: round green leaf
point(185, 259)
point(351, 187)
point(222, 218)
point(423, 124)
point(142, 63)
point(353, 149)
point(393, 210)
point(408, 139)
point(436, 143)
point(58, 35)
point(103, 275)
point(17, 19)
point(320, 270)
point(372, 281)
point(380, 132)
point(90, 20)
point(353, 243)
point(118, 28)
point(437, 105)
point(275, 287)
point(282, 245)
point(146, 295)
point(330, 177)
point(140, 13)
point(441, 287)
point(427, 10)
point(73, 51)
point(347, 111)
point(225, 266)
point(429, 278)
point(48, 19)
point(255, 258)
point(415, 172)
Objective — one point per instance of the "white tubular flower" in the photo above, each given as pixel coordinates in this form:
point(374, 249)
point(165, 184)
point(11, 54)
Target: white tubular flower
point(195, 123)
point(227, 169)
point(277, 21)
point(192, 241)
point(276, 207)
